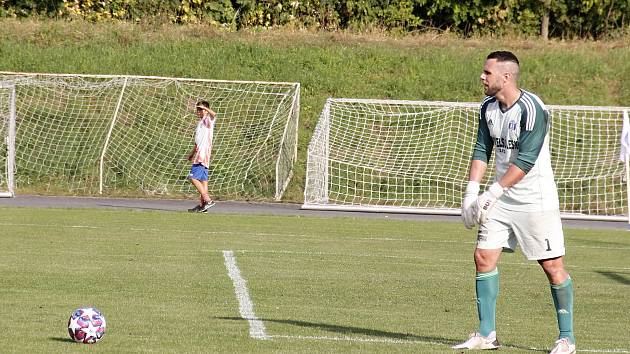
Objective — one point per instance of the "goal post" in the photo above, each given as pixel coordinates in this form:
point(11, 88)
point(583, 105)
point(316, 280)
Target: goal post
point(128, 135)
point(7, 144)
point(414, 156)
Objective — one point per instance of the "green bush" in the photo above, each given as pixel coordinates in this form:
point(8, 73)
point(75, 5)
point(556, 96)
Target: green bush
point(568, 18)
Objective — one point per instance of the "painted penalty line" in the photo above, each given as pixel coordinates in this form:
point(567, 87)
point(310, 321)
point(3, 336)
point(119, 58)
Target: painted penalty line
point(245, 304)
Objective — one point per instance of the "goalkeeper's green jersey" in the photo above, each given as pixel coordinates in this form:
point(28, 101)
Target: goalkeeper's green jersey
point(519, 136)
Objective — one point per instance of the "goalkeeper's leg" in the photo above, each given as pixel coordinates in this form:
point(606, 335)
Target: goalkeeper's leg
point(493, 237)
point(487, 289)
point(562, 293)
point(541, 238)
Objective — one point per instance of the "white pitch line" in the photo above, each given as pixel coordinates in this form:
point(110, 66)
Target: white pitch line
point(323, 253)
point(404, 341)
point(293, 236)
point(386, 256)
point(579, 350)
point(245, 304)
point(357, 339)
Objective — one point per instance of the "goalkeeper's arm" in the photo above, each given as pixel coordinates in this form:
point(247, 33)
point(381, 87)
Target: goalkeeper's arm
point(511, 177)
point(477, 210)
point(486, 201)
point(469, 203)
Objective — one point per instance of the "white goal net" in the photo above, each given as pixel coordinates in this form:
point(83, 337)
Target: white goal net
point(413, 156)
point(124, 135)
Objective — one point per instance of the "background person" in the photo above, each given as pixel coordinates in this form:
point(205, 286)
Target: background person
point(200, 155)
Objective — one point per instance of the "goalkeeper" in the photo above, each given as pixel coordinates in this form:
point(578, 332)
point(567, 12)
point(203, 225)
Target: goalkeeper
point(200, 155)
point(521, 206)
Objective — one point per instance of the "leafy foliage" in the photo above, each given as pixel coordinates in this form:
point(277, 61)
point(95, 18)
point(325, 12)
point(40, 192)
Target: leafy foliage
point(568, 18)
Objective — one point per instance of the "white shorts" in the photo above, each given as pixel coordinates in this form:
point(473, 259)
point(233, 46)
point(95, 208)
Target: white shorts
point(539, 234)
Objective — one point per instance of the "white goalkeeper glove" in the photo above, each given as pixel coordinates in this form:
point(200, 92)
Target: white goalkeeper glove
point(469, 203)
point(486, 201)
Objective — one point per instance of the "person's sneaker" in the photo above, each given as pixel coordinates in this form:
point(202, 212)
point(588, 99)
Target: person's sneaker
point(206, 206)
point(563, 346)
point(477, 341)
point(196, 209)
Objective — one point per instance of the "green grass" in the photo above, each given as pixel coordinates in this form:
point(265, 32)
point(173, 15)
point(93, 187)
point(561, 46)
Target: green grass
point(381, 285)
point(426, 67)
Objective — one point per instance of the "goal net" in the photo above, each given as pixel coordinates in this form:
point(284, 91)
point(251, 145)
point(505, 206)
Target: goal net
point(414, 156)
point(120, 135)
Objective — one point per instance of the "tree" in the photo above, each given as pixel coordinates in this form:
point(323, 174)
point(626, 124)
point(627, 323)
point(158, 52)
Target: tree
point(544, 23)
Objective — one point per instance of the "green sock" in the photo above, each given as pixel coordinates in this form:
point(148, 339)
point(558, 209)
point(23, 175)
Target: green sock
point(487, 286)
point(563, 301)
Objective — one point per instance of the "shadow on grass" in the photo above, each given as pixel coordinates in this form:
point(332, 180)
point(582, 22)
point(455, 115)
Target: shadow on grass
point(348, 330)
point(353, 330)
point(113, 206)
point(618, 277)
point(60, 339)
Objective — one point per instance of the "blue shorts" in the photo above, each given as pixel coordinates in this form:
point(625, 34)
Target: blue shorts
point(198, 172)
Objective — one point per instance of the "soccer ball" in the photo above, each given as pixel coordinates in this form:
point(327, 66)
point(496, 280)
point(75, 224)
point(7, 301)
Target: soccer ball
point(86, 325)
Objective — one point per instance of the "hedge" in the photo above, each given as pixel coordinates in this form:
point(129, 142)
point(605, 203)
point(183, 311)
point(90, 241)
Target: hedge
point(588, 19)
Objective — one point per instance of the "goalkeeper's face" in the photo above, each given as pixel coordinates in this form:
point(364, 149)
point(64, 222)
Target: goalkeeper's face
point(495, 76)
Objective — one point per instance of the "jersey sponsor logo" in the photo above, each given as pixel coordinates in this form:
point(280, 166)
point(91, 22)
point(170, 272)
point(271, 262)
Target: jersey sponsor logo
point(502, 143)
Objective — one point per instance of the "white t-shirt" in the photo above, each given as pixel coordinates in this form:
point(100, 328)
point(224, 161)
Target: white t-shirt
point(203, 140)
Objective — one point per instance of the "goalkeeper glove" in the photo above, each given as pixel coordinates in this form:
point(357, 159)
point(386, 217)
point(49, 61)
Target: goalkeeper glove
point(486, 201)
point(469, 204)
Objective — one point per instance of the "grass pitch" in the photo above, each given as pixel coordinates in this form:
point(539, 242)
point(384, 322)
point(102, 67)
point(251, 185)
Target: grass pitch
point(319, 285)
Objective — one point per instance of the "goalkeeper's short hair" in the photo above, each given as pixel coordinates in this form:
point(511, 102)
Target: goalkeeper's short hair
point(503, 55)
